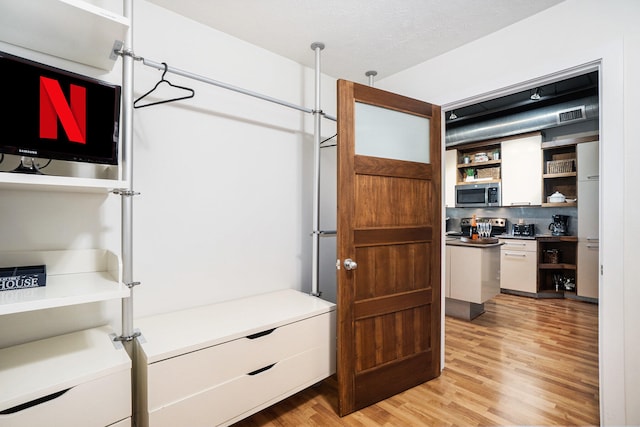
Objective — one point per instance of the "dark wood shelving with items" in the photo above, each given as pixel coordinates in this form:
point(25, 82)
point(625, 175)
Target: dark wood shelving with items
point(560, 169)
point(483, 159)
point(557, 265)
point(559, 173)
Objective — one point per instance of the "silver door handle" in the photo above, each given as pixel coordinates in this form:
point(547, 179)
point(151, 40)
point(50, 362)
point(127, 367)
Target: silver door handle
point(350, 264)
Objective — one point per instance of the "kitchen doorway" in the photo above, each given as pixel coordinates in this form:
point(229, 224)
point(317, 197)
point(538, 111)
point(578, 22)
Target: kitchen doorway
point(500, 103)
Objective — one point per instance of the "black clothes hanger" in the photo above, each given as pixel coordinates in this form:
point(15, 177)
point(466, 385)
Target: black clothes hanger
point(163, 80)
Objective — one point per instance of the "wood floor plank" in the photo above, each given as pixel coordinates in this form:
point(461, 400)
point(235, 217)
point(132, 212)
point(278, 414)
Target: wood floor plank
point(523, 362)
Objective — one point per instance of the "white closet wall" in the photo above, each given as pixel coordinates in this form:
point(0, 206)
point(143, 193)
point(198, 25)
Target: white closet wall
point(225, 179)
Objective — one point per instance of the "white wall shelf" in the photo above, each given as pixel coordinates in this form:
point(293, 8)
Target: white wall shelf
point(21, 181)
point(69, 29)
point(73, 277)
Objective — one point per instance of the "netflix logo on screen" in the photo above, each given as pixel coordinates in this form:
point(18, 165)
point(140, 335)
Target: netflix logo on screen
point(56, 114)
point(54, 106)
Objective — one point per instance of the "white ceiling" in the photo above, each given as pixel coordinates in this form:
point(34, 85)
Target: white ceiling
point(359, 35)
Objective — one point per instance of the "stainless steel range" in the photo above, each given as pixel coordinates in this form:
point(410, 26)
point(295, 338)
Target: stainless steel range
point(498, 225)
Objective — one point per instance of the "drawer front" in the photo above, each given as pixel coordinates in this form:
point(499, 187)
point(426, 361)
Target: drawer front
point(519, 245)
point(98, 403)
point(171, 380)
point(247, 394)
point(588, 269)
point(518, 270)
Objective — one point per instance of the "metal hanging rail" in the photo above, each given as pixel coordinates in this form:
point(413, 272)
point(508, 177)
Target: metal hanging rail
point(193, 76)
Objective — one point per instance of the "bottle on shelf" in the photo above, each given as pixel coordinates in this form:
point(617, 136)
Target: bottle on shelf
point(474, 227)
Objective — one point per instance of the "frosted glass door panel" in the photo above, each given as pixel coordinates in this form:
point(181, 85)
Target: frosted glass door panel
point(390, 134)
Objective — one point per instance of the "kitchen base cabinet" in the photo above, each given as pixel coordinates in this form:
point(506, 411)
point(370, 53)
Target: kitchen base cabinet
point(77, 379)
point(217, 364)
point(588, 274)
point(519, 266)
point(472, 278)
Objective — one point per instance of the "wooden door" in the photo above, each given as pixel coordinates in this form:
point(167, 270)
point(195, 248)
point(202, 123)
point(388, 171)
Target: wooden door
point(389, 243)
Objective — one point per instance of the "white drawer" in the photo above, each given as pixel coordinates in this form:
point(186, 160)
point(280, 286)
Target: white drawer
point(231, 401)
point(172, 379)
point(519, 245)
point(99, 403)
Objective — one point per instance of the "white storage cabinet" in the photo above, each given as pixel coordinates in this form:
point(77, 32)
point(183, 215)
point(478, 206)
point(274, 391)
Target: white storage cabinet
point(588, 219)
point(518, 265)
point(217, 364)
point(78, 379)
point(81, 378)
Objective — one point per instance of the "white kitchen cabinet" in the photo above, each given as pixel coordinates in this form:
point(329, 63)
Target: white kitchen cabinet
point(588, 269)
point(588, 161)
point(588, 219)
point(216, 364)
point(450, 177)
point(519, 265)
point(522, 171)
point(588, 206)
point(447, 272)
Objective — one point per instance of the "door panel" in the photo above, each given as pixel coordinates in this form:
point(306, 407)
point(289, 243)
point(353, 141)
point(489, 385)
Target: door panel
point(389, 216)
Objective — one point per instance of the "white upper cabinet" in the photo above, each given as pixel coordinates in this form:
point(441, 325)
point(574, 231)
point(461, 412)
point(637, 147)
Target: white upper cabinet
point(588, 161)
point(450, 176)
point(522, 171)
point(588, 190)
point(71, 29)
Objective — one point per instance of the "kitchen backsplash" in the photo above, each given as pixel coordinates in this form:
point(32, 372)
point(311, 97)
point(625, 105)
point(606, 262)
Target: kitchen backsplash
point(539, 216)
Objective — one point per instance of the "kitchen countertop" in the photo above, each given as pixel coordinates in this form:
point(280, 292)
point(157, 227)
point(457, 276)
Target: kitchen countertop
point(455, 241)
point(538, 237)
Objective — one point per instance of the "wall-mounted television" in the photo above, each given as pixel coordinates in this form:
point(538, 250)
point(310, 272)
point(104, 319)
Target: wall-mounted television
point(56, 114)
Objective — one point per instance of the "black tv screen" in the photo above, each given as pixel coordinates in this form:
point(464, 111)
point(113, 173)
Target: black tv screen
point(56, 114)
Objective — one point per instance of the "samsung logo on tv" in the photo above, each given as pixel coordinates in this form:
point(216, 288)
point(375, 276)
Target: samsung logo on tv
point(30, 152)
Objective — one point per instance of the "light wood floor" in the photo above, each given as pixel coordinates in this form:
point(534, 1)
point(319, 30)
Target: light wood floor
point(522, 362)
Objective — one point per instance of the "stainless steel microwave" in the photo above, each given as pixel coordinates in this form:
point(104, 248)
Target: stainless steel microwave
point(478, 195)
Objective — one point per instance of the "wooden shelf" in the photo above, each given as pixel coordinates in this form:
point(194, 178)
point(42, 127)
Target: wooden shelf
point(479, 164)
point(560, 205)
point(559, 175)
point(559, 266)
point(569, 141)
point(69, 29)
point(73, 277)
point(479, 181)
point(551, 238)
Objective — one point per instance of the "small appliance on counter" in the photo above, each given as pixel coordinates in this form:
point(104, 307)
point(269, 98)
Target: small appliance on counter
point(498, 225)
point(560, 225)
point(523, 230)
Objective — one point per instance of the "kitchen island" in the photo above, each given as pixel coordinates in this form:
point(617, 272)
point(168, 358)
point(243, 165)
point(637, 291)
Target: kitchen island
point(472, 277)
